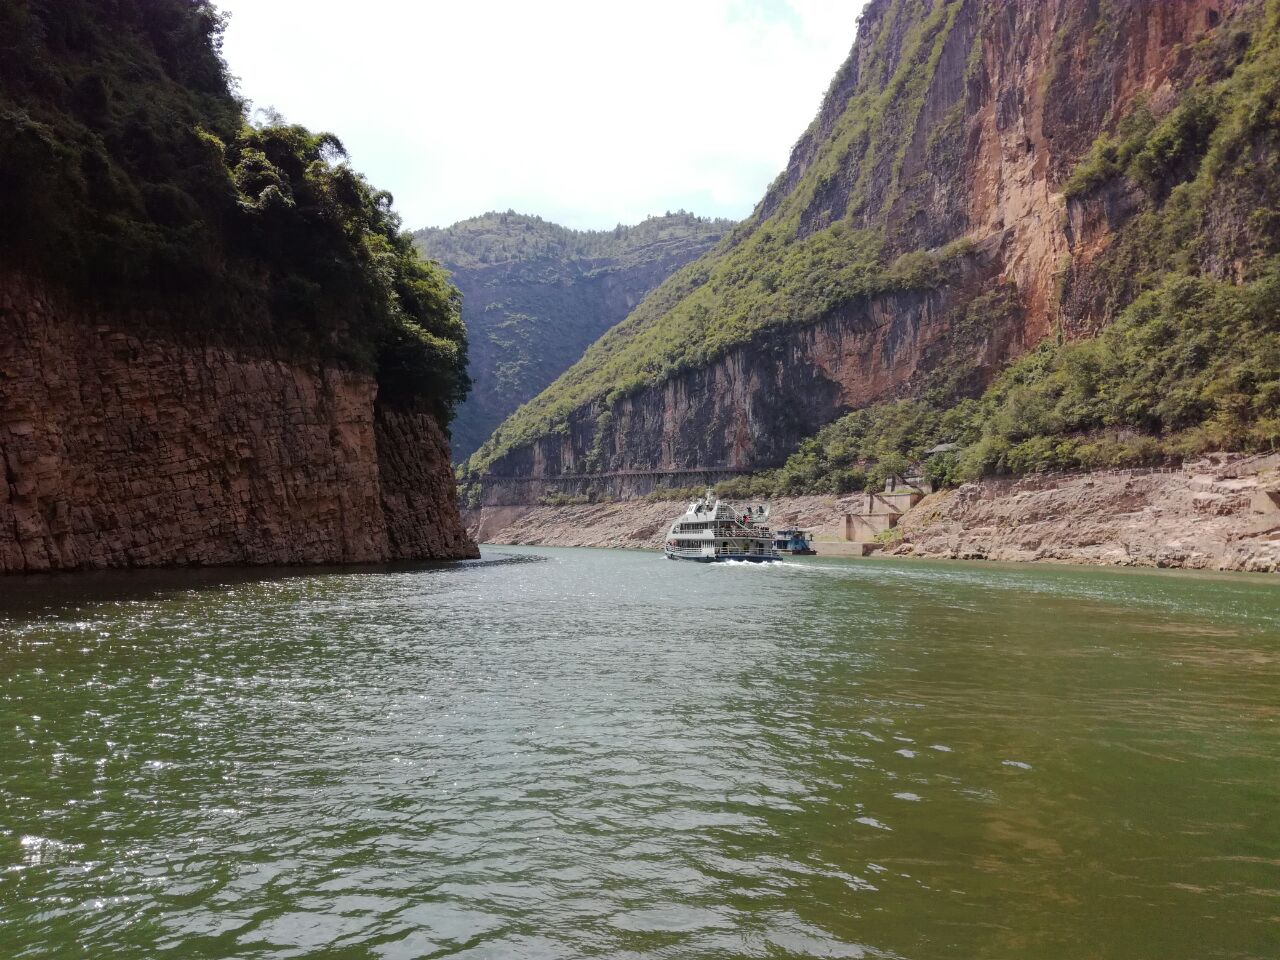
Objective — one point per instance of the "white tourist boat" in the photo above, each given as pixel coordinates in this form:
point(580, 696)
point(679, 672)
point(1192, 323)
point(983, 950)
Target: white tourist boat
point(712, 531)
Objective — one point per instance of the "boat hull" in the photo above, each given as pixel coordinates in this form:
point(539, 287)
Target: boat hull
point(724, 559)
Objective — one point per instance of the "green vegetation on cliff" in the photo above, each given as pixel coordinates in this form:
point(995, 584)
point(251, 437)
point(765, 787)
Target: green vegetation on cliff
point(134, 180)
point(1186, 184)
point(808, 249)
point(1191, 364)
point(536, 295)
point(1190, 367)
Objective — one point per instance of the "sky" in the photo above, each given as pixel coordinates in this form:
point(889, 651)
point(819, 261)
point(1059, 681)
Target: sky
point(588, 113)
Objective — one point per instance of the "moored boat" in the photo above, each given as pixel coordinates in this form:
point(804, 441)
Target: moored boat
point(794, 542)
point(712, 531)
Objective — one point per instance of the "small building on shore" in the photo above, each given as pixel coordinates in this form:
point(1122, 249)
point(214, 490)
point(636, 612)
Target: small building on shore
point(876, 513)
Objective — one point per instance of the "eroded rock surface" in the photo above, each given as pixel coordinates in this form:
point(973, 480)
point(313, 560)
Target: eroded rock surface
point(122, 450)
point(1016, 96)
point(1207, 516)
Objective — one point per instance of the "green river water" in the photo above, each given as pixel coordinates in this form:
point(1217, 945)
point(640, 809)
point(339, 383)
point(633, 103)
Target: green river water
point(607, 754)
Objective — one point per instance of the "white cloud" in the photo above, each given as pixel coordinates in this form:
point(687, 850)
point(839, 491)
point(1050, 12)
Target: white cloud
point(586, 112)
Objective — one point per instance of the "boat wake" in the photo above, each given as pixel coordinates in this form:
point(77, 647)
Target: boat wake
point(756, 565)
point(791, 566)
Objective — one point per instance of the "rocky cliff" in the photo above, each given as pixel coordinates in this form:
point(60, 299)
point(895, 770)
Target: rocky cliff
point(125, 449)
point(535, 295)
point(952, 206)
point(217, 344)
point(748, 407)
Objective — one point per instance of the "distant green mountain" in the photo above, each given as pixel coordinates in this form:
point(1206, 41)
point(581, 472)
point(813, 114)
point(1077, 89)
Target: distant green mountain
point(536, 294)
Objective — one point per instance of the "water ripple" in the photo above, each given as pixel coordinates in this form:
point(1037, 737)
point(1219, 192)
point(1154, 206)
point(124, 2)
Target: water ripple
point(591, 754)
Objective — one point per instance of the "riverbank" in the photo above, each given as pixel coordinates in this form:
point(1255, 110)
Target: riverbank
point(1221, 513)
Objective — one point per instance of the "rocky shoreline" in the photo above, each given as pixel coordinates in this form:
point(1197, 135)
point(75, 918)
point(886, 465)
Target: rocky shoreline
point(1221, 513)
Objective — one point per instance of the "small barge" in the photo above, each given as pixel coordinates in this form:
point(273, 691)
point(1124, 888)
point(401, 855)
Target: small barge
point(713, 531)
point(793, 542)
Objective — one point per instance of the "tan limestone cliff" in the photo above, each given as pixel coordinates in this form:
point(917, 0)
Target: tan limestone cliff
point(1015, 99)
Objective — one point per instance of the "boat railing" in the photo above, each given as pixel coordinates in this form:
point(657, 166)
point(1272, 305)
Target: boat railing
point(749, 528)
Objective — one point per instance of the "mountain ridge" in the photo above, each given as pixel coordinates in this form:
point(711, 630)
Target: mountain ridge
point(535, 294)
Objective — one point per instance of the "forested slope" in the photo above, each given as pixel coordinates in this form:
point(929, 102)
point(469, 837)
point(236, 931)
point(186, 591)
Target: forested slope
point(133, 179)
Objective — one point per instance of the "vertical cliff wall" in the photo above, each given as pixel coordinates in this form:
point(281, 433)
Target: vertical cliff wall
point(921, 236)
point(749, 406)
point(124, 449)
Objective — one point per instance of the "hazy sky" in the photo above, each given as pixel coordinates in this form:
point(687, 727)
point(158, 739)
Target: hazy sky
point(586, 112)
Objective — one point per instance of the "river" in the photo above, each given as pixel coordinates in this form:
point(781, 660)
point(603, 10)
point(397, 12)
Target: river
point(585, 753)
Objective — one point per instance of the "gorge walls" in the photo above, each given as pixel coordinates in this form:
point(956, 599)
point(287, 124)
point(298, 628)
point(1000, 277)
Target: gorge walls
point(122, 449)
point(949, 136)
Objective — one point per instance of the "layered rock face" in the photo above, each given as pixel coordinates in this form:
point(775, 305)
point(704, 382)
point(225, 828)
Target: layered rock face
point(121, 449)
point(1012, 95)
point(750, 406)
point(1206, 516)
